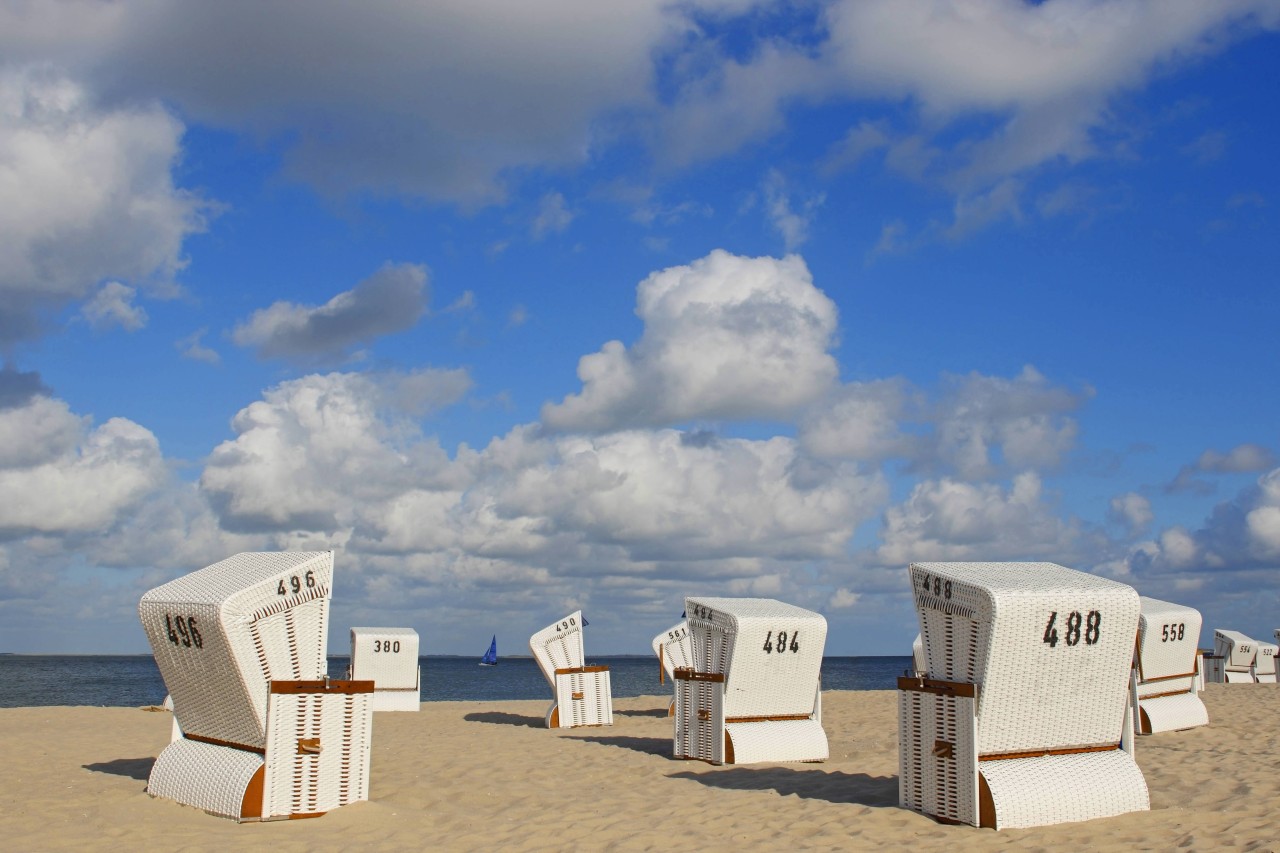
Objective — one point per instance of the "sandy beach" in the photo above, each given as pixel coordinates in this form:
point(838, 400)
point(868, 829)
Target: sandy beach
point(480, 776)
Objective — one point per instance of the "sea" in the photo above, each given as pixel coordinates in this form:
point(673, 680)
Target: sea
point(134, 680)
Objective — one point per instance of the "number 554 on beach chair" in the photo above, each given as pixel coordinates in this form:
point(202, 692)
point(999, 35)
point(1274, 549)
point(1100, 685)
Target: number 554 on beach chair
point(265, 734)
point(583, 694)
point(1236, 653)
point(674, 649)
point(1166, 663)
point(1022, 717)
point(753, 692)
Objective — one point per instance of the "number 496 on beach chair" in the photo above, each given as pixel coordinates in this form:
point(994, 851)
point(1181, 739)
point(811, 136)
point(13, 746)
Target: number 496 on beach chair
point(265, 733)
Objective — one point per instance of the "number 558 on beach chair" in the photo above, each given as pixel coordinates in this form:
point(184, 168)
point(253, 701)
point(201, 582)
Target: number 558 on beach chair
point(1022, 717)
point(265, 734)
point(754, 690)
point(583, 694)
point(1166, 663)
point(674, 649)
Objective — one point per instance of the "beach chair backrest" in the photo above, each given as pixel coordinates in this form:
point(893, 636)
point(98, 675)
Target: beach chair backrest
point(674, 648)
point(1237, 649)
point(559, 646)
point(386, 656)
point(769, 652)
point(1167, 650)
point(1051, 649)
point(220, 635)
point(1264, 665)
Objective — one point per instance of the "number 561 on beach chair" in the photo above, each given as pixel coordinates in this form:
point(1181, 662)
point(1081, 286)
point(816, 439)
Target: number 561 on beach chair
point(1022, 717)
point(674, 649)
point(583, 694)
point(265, 734)
point(754, 690)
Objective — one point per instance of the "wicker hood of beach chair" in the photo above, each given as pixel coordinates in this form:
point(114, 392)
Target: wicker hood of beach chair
point(1238, 652)
point(674, 649)
point(265, 734)
point(389, 658)
point(583, 694)
point(754, 691)
point(1023, 717)
point(1166, 661)
point(1264, 663)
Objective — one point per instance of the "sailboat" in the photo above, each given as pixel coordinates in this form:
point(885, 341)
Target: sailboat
point(491, 657)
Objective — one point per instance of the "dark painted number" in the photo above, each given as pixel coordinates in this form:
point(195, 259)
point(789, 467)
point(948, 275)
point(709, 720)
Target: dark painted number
point(568, 623)
point(1169, 633)
point(781, 646)
point(677, 634)
point(1050, 632)
point(1073, 628)
point(296, 583)
point(937, 586)
point(1092, 627)
point(768, 643)
point(703, 612)
point(1091, 624)
point(182, 631)
point(386, 646)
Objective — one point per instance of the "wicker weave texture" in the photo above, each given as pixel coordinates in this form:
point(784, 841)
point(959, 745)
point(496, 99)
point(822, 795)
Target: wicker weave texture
point(584, 699)
point(212, 778)
point(311, 782)
point(778, 740)
point(1237, 649)
point(220, 634)
point(559, 646)
point(933, 781)
point(918, 663)
point(770, 653)
point(1051, 647)
point(1264, 664)
point(1171, 713)
point(386, 656)
point(1168, 635)
point(1064, 788)
point(699, 721)
point(674, 648)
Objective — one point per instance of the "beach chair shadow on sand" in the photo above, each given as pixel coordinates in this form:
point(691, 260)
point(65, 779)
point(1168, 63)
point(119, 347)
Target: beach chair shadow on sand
point(753, 693)
point(648, 745)
point(502, 718)
point(1023, 716)
point(583, 694)
point(815, 784)
point(265, 733)
point(132, 768)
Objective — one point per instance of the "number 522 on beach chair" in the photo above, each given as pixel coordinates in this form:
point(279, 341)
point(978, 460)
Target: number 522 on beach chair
point(265, 734)
point(754, 690)
point(1022, 717)
point(583, 694)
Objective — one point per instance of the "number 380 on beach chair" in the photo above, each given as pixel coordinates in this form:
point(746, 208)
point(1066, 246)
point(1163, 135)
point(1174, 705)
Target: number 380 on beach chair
point(1166, 663)
point(583, 694)
point(265, 734)
point(1023, 715)
point(389, 658)
point(754, 690)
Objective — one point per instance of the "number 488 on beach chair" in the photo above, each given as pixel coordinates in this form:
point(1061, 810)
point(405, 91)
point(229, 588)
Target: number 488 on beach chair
point(754, 690)
point(265, 734)
point(1023, 715)
point(583, 694)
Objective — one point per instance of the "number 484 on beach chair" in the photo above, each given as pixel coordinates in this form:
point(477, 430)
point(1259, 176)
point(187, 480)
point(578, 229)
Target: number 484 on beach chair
point(264, 733)
point(1022, 717)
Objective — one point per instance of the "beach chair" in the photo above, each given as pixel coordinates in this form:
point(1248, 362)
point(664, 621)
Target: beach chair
point(264, 733)
point(674, 649)
point(1237, 652)
point(754, 691)
point(1264, 663)
point(583, 694)
point(389, 658)
point(1023, 717)
point(1166, 664)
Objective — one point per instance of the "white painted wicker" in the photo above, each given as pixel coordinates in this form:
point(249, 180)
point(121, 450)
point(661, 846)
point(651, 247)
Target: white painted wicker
point(1238, 652)
point(389, 658)
point(753, 692)
point(1215, 668)
point(263, 733)
point(674, 649)
point(917, 655)
point(1023, 716)
point(1167, 662)
point(1264, 664)
point(583, 694)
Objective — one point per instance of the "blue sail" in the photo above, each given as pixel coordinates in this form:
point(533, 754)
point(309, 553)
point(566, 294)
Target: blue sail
point(491, 657)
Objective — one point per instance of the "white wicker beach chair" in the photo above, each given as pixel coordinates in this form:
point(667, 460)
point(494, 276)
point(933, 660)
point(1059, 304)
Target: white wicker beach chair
point(674, 649)
point(754, 690)
point(389, 658)
point(1023, 718)
point(1237, 652)
point(583, 694)
point(1166, 664)
point(265, 734)
point(1264, 663)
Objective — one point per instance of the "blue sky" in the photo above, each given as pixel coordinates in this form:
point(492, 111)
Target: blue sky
point(601, 305)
